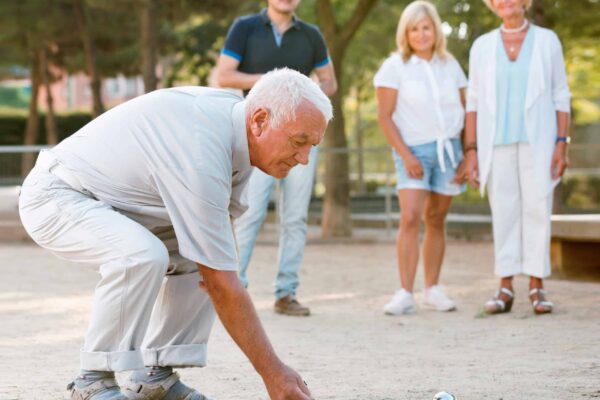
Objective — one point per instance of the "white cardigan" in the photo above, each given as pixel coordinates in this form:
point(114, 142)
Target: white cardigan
point(547, 93)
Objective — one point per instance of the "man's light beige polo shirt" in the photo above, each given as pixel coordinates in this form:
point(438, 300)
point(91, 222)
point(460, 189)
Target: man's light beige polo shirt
point(172, 157)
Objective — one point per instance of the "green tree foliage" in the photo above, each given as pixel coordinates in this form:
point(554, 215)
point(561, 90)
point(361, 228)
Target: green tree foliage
point(197, 40)
point(197, 47)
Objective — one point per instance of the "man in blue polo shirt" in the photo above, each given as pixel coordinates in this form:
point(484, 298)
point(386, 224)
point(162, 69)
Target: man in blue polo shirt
point(256, 44)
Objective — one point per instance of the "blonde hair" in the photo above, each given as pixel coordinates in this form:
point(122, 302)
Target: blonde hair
point(412, 15)
point(490, 5)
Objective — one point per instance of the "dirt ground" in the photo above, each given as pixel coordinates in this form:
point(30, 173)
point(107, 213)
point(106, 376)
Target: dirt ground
point(347, 349)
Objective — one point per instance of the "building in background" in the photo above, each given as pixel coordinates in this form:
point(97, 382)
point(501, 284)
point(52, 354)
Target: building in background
point(71, 92)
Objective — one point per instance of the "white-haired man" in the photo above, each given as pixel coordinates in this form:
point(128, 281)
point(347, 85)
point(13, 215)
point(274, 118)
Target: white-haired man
point(147, 191)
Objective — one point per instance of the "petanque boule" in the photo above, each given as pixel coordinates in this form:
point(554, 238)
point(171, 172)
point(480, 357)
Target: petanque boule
point(444, 396)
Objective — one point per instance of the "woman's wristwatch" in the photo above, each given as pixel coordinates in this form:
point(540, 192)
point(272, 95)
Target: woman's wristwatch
point(564, 139)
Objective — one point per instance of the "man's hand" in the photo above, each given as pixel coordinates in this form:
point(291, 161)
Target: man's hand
point(286, 384)
point(472, 168)
point(413, 166)
point(559, 160)
point(237, 313)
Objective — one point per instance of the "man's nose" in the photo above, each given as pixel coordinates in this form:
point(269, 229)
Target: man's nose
point(302, 155)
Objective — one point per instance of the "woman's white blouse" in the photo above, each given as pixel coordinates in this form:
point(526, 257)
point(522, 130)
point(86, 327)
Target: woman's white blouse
point(428, 106)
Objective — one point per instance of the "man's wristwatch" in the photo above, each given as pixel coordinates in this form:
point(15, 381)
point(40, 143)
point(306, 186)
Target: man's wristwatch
point(564, 139)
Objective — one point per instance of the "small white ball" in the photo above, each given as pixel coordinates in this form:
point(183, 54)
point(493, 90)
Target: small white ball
point(444, 396)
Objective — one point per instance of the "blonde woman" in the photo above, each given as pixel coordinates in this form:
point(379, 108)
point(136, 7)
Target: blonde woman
point(420, 91)
point(515, 143)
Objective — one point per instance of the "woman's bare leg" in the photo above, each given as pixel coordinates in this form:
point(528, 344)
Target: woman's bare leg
point(434, 244)
point(411, 209)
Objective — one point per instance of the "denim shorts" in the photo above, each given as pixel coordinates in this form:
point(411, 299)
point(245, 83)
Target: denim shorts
point(433, 180)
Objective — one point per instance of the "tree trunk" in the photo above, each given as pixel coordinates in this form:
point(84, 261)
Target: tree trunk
point(148, 47)
point(83, 22)
point(31, 128)
point(51, 136)
point(336, 219)
point(358, 131)
point(536, 12)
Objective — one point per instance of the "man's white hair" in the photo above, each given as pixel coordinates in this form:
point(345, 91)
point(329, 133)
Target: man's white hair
point(281, 91)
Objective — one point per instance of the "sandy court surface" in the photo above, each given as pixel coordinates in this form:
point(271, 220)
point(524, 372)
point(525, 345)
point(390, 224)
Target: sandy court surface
point(347, 349)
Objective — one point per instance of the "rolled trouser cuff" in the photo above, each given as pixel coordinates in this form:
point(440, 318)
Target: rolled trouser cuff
point(541, 270)
point(179, 356)
point(504, 270)
point(111, 361)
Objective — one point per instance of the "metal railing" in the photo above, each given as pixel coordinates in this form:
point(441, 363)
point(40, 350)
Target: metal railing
point(15, 163)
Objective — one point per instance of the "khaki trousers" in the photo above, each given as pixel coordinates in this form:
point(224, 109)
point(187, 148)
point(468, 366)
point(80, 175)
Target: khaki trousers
point(147, 308)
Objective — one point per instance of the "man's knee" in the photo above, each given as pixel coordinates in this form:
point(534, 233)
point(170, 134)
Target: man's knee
point(154, 256)
point(294, 223)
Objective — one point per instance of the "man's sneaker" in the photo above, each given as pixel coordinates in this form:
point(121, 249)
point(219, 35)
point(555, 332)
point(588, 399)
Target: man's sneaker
point(436, 298)
point(288, 305)
point(170, 388)
point(102, 389)
point(403, 302)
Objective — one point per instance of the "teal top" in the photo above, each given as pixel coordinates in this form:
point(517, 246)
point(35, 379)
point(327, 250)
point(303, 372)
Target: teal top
point(511, 90)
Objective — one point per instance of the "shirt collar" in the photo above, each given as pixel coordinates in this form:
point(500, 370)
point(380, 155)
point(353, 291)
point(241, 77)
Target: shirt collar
point(416, 60)
point(241, 154)
point(264, 17)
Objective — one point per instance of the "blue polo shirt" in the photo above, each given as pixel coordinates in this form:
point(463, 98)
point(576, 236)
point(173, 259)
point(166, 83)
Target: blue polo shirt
point(255, 43)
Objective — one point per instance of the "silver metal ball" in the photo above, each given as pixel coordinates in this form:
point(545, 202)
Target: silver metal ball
point(444, 396)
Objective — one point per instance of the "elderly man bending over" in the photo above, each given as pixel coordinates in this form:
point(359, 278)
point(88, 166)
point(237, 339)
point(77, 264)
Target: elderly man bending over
point(147, 191)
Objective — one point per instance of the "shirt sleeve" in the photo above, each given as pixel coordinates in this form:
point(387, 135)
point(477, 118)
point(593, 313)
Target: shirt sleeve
point(560, 86)
point(387, 75)
point(235, 42)
point(321, 55)
point(460, 77)
point(195, 186)
point(197, 204)
point(473, 85)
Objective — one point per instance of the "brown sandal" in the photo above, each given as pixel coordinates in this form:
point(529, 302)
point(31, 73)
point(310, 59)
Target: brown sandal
point(498, 306)
point(540, 305)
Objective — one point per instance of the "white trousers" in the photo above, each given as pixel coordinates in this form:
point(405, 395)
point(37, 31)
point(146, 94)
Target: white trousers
point(147, 308)
point(520, 217)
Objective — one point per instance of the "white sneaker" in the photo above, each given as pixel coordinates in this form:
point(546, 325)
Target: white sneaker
point(403, 302)
point(436, 298)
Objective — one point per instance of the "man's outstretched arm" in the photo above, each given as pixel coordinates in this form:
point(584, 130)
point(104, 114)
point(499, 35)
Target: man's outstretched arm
point(229, 76)
point(238, 315)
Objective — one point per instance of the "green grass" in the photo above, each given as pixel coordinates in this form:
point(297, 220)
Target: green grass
point(6, 111)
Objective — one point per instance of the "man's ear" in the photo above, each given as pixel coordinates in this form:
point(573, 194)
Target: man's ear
point(259, 121)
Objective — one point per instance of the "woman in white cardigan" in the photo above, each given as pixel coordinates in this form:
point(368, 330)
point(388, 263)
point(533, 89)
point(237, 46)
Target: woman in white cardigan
point(516, 135)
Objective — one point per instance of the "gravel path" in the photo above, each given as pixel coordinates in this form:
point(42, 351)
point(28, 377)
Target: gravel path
point(347, 349)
